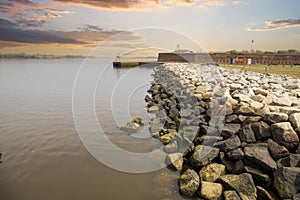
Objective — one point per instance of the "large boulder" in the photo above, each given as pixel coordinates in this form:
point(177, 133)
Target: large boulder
point(242, 183)
point(247, 134)
point(295, 121)
point(259, 177)
point(230, 129)
point(277, 151)
point(284, 134)
point(210, 191)
point(236, 154)
point(274, 117)
point(229, 144)
point(175, 161)
point(212, 172)
point(261, 130)
point(258, 154)
point(203, 155)
point(189, 182)
point(293, 160)
point(287, 181)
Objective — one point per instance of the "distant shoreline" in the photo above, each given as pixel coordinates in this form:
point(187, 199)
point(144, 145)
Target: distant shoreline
point(37, 56)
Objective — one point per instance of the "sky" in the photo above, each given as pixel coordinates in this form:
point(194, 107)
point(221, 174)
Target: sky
point(78, 26)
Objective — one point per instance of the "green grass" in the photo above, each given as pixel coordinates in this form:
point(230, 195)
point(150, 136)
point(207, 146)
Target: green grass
point(129, 64)
point(265, 69)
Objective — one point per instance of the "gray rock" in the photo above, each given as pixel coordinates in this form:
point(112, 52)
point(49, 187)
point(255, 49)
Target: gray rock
point(261, 130)
point(131, 127)
point(274, 117)
point(283, 101)
point(284, 134)
point(242, 183)
point(189, 182)
point(261, 91)
point(228, 164)
point(295, 121)
point(167, 138)
point(203, 155)
point(296, 196)
point(277, 151)
point(210, 191)
point(258, 176)
point(264, 194)
point(229, 144)
point(175, 161)
point(244, 109)
point(230, 129)
point(153, 109)
point(212, 172)
point(236, 154)
point(293, 160)
point(247, 134)
point(287, 181)
point(256, 105)
point(231, 195)
point(258, 154)
point(171, 148)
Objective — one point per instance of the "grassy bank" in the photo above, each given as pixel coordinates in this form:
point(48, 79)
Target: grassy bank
point(279, 69)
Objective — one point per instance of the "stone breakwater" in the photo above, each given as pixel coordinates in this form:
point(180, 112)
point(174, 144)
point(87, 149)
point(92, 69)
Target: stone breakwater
point(231, 134)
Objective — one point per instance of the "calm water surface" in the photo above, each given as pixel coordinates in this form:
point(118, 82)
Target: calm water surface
point(43, 157)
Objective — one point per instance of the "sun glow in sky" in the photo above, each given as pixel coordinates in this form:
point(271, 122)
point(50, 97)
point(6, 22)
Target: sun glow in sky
point(77, 26)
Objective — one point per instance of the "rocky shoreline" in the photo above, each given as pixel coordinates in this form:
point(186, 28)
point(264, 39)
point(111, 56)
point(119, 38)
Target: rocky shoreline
point(231, 134)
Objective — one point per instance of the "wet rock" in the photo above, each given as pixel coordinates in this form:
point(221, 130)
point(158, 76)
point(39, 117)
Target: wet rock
point(153, 109)
point(138, 121)
point(258, 154)
point(287, 181)
point(171, 147)
point(230, 129)
point(258, 176)
point(167, 138)
point(242, 183)
point(148, 98)
point(203, 155)
point(284, 134)
point(261, 130)
point(189, 182)
point(295, 121)
point(229, 144)
point(231, 195)
point(276, 117)
point(277, 151)
point(175, 161)
point(131, 127)
point(265, 194)
point(210, 191)
point(236, 154)
point(247, 134)
point(212, 172)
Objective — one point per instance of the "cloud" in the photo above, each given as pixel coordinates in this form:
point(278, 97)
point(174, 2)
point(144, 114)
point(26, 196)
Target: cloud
point(141, 4)
point(88, 34)
point(27, 13)
point(277, 24)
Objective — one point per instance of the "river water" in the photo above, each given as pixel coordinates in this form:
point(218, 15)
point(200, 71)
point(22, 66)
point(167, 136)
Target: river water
point(43, 156)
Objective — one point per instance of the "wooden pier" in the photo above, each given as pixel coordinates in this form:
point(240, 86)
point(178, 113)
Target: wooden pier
point(135, 64)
